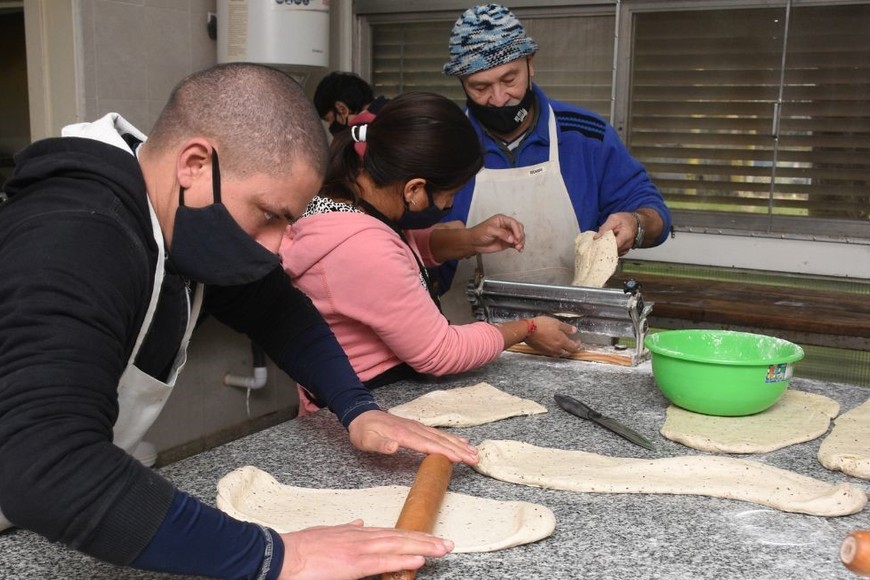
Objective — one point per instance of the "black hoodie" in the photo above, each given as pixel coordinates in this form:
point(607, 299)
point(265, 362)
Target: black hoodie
point(77, 261)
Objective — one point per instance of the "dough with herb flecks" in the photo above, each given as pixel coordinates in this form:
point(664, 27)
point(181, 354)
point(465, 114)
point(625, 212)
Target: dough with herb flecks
point(847, 448)
point(474, 524)
point(466, 407)
point(595, 261)
point(795, 418)
point(713, 476)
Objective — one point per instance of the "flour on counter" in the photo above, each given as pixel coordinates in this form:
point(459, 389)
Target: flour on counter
point(795, 418)
point(780, 529)
point(713, 476)
point(466, 407)
point(474, 524)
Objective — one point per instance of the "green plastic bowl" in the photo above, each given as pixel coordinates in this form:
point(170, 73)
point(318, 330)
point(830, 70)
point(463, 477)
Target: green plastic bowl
point(722, 372)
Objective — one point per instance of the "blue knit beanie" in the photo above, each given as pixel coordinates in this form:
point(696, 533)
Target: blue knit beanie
point(484, 37)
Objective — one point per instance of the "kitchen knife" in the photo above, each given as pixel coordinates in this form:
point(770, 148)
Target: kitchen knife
point(583, 411)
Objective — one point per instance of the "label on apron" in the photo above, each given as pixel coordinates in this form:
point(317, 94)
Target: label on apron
point(536, 196)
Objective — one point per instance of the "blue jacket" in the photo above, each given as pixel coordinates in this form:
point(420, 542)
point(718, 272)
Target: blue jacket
point(601, 176)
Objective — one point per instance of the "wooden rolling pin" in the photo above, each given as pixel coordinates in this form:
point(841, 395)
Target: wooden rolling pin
point(423, 502)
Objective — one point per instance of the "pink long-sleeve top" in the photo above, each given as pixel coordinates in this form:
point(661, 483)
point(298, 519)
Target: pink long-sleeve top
point(365, 282)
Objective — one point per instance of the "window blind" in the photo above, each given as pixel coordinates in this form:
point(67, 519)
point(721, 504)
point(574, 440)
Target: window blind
point(825, 128)
point(707, 121)
point(574, 61)
point(408, 56)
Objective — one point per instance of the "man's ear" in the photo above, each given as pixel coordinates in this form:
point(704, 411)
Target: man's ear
point(194, 162)
point(342, 109)
point(531, 62)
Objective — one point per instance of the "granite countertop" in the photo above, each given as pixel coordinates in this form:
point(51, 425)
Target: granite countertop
point(600, 536)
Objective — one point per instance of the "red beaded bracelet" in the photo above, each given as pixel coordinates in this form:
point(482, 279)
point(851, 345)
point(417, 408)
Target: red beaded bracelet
point(531, 327)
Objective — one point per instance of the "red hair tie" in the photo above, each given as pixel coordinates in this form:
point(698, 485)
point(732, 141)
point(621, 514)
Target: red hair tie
point(358, 130)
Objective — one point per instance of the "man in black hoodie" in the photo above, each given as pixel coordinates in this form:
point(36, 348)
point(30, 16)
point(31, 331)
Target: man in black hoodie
point(109, 245)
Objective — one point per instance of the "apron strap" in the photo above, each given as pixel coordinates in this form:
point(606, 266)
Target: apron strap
point(158, 283)
point(554, 139)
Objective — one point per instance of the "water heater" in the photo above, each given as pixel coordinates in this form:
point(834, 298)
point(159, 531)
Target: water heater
point(284, 33)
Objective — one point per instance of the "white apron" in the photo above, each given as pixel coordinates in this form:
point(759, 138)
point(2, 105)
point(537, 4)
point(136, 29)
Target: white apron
point(536, 196)
point(141, 397)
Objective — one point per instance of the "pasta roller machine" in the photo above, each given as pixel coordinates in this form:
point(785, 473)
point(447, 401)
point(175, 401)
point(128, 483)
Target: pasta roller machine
point(602, 316)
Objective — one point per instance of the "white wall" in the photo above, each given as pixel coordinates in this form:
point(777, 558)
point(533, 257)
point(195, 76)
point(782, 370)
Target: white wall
point(202, 405)
point(813, 257)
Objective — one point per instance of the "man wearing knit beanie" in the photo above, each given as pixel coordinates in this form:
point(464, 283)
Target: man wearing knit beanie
point(558, 168)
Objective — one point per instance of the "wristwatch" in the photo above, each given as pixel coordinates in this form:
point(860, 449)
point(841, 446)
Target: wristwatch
point(638, 238)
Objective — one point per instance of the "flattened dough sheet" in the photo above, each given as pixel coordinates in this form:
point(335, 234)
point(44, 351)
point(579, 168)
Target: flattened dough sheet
point(724, 477)
point(466, 406)
point(595, 261)
point(795, 418)
point(847, 448)
point(474, 524)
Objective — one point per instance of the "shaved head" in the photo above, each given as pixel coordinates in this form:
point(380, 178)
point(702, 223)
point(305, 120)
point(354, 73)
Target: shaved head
point(258, 118)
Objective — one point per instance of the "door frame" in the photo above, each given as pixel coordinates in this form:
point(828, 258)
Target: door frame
point(54, 65)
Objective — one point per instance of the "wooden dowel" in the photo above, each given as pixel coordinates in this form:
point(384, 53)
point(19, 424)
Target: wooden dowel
point(420, 510)
point(588, 354)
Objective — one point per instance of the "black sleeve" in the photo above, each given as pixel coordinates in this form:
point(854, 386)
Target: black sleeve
point(201, 540)
point(73, 289)
point(284, 323)
point(271, 311)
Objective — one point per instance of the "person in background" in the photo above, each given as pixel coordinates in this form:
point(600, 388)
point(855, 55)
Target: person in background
point(353, 254)
point(109, 245)
point(558, 168)
point(341, 96)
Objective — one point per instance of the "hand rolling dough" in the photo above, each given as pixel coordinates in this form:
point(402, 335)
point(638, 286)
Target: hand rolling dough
point(724, 477)
point(847, 448)
point(466, 407)
point(795, 418)
point(595, 261)
point(474, 524)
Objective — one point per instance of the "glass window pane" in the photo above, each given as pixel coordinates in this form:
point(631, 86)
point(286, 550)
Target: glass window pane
point(823, 165)
point(574, 61)
point(408, 56)
point(703, 91)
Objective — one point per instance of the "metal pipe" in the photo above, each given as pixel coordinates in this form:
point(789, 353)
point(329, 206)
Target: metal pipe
point(260, 372)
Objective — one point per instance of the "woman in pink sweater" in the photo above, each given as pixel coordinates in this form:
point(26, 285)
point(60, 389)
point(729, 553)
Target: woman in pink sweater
point(361, 249)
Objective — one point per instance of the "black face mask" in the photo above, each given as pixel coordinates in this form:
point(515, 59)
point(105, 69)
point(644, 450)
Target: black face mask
point(506, 119)
point(420, 220)
point(209, 246)
point(335, 128)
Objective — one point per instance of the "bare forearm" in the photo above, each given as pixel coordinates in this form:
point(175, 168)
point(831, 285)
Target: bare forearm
point(515, 331)
point(449, 243)
point(543, 333)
